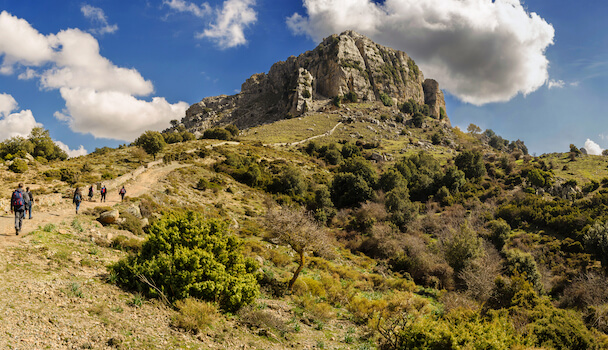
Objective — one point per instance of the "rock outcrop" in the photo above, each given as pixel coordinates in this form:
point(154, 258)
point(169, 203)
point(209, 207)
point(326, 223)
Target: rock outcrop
point(341, 64)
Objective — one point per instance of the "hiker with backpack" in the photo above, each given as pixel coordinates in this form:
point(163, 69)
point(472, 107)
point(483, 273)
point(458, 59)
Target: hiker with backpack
point(77, 198)
point(30, 203)
point(122, 193)
point(18, 205)
point(103, 193)
point(91, 193)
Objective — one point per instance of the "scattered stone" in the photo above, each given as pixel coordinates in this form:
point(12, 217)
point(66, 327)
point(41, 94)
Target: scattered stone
point(109, 217)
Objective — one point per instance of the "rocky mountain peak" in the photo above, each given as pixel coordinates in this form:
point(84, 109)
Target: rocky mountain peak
point(341, 64)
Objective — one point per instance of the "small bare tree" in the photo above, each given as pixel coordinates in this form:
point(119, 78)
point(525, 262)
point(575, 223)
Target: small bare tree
point(298, 229)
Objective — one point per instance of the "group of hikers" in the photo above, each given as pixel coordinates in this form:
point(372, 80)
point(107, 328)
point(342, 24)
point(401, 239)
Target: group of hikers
point(22, 201)
point(103, 191)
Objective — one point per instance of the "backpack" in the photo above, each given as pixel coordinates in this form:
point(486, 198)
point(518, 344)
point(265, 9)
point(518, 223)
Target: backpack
point(123, 191)
point(103, 190)
point(77, 197)
point(17, 201)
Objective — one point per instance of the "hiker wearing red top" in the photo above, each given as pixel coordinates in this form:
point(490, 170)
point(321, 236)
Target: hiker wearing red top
point(103, 193)
point(122, 193)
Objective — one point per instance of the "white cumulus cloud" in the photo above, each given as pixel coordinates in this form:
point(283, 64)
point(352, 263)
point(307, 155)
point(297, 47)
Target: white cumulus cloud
point(593, 148)
point(183, 6)
point(14, 124)
point(78, 63)
point(100, 96)
point(98, 17)
point(552, 84)
point(72, 153)
point(116, 115)
point(20, 43)
point(228, 22)
point(481, 51)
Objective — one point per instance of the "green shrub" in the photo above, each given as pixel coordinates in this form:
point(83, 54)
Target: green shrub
point(522, 263)
point(131, 223)
point(386, 99)
point(351, 96)
point(18, 166)
point(217, 134)
point(127, 244)
point(188, 256)
point(232, 129)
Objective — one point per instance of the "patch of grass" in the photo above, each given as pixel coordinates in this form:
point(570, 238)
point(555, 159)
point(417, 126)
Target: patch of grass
point(195, 315)
point(291, 130)
point(49, 228)
point(73, 290)
point(77, 226)
point(136, 301)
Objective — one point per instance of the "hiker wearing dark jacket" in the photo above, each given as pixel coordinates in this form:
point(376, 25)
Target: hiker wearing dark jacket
point(18, 203)
point(77, 198)
point(28, 208)
point(91, 193)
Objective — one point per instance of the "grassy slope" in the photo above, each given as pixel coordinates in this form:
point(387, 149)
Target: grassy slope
point(77, 307)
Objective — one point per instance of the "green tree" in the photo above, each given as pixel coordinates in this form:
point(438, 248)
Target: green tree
point(418, 119)
point(462, 248)
point(360, 167)
point(473, 129)
point(348, 190)
point(185, 256)
point(152, 142)
point(16, 146)
point(44, 146)
point(349, 149)
point(471, 163)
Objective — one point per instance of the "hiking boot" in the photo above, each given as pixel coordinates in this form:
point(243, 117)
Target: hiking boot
point(16, 232)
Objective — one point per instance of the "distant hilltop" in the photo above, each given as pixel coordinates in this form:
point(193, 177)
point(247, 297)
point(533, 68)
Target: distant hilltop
point(348, 64)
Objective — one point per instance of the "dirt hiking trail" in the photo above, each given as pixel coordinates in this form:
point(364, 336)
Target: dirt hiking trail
point(138, 182)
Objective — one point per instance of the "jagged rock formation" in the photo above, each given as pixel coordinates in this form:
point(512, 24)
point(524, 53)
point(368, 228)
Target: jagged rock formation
point(349, 62)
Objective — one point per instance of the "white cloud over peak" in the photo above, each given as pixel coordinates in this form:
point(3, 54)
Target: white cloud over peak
point(99, 95)
point(593, 148)
point(14, 124)
point(72, 153)
point(227, 28)
point(481, 51)
point(98, 17)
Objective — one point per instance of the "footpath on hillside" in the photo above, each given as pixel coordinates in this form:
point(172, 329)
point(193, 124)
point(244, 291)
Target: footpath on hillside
point(138, 182)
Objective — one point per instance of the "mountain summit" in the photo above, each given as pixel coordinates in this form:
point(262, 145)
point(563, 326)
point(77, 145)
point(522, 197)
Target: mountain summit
point(341, 65)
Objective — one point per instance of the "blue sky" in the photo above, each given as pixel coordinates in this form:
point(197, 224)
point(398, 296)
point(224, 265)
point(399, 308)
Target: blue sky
point(99, 72)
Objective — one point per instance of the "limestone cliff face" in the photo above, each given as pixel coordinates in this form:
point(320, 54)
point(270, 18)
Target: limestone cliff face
point(340, 64)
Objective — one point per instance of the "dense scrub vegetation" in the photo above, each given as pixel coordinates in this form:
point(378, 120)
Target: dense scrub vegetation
point(483, 246)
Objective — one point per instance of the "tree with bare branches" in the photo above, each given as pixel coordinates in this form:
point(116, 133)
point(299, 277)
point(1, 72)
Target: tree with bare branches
point(297, 228)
